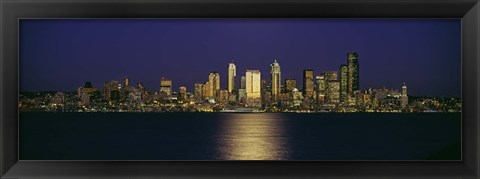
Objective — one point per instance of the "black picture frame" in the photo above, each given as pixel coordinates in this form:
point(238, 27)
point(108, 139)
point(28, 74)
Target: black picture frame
point(12, 10)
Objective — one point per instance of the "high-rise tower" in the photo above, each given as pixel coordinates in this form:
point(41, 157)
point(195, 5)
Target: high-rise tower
point(343, 82)
point(126, 82)
point(404, 95)
point(214, 82)
point(253, 88)
point(165, 86)
point(308, 84)
point(353, 73)
point(276, 79)
point(232, 75)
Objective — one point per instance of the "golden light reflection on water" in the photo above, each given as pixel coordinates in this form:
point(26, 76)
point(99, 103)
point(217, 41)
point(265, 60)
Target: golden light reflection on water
point(252, 137)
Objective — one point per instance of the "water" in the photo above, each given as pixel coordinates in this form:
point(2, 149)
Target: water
point(240, 136)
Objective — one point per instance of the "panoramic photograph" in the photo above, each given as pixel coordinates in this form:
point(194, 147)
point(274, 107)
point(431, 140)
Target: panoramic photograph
point(240, 89)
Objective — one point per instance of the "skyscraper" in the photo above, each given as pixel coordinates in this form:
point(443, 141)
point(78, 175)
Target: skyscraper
point(214, 81)
point(232, 75)
point(276, 79)
point(165, 86)
point(106, 90)
point(198, 91)
point(308, 84)
point(320, 79)
point(343, 82)
point(243, 82)
point(182, 92)
point(321, 86)
point(126, 82)
point(353, 73)
point(331, 76)
point(333, 92)
point(290, 84)
point(252, 86)
point(404, 95)
point(206, 92)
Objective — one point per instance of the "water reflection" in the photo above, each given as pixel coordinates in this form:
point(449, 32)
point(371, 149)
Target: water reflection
point(252, 137)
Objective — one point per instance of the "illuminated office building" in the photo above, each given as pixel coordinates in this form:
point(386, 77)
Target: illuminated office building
point(126, 82)
point(343, 82)
point(253, 87)
point(232, 75)
point(353, 73)
point(85, 98)
point(404, 97)
point(206, 92)
point(165, 86)
point(330, 76)
point(243, 82)
point(198, 91)
point(214, 81)
point(222, 96)
point(320, 88)
point(290, 84)
point(106, 90)
point(275, 79)
point(308, 84)
point(332, 94)
point(182, 92)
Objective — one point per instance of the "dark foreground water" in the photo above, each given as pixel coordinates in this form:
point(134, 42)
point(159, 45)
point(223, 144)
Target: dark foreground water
point(240, 136)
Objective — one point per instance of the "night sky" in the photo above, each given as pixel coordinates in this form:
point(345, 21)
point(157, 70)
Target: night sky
point(61, 54)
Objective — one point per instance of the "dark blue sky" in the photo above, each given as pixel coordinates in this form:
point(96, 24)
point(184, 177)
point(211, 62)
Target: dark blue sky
point(61, 54)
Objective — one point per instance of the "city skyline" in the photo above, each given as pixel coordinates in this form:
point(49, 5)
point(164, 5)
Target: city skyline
point(440, 79)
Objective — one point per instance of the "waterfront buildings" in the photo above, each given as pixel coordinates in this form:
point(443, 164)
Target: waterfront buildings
point(335, 91)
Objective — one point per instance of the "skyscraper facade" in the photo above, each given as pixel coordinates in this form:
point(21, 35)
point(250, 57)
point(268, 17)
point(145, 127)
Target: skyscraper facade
point(404, 98)
point(198, 91)
point(353, 73)
point(182, 91)
point(290, 84)
point(214, 81)
point(166, 86)
point(308, 84)
point(343, 82)
point(243, 82)
point(331, 76)
point(126, 82)
point(320, 80)
point(252, 84)
point(332, 94)
point(275, 79)
point(206, 92)
point(232, 75)
point(106, 90)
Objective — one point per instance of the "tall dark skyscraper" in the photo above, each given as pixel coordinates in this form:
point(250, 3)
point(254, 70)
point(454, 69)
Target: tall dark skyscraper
point(308, 84)
point(353, 73)
point(343, 82)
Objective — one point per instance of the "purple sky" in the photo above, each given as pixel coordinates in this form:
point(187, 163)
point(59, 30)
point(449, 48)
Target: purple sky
point(60, 55)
